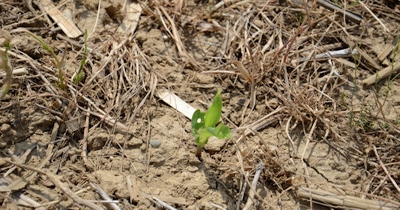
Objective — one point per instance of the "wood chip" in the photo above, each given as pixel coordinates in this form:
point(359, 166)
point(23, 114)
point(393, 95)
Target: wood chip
point(66, 25)
point(346, 62)
point(382, 74)
point(177, 103)
point(131, 19)
point(387, 49)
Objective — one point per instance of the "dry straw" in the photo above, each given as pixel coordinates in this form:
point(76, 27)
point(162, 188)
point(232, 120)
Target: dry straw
point(279, 56)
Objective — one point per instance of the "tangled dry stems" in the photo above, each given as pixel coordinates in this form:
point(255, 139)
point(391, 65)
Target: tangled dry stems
point(260, 41)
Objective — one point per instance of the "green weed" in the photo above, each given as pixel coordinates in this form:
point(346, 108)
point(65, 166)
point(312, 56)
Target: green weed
point(366, 120)
point(81, 74)
point(343, 99)
point(365, 123)
point(61, 81)
point(352, 116)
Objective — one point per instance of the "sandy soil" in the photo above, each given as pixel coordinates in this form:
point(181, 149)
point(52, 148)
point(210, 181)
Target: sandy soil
point(309, 140)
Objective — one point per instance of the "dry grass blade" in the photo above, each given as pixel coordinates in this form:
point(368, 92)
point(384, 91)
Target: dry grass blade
point(21, 159)
point(386, 171)
point(345, 201)
point(21, 182)
point(295, 89)
point(382, 74)
point(109, 120)
point(84, 143)
point(24, 200)
point(250, 201)
point(162, 203)
point(348, 15)
point(177, 39)
point(106, 198)
point(380, 22)
point(56, 181)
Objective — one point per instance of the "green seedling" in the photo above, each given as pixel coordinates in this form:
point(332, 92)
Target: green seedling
point(61, 81)
point(204, 124)
point(5, 64)
point(301, 17)
point(81, 74)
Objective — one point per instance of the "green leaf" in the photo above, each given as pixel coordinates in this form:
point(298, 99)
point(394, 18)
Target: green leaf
point(203, 124)
point(78, 78)
point(213, 113)
point(204, 134)
point(222, 132)
point(197, 121)
point(47, 48)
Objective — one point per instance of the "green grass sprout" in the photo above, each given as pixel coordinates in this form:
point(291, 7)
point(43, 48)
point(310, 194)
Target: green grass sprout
point(81, 74)
point(204, 124)
point(61, 81)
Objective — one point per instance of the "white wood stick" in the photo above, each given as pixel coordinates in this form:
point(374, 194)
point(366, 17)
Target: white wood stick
point(66, 25)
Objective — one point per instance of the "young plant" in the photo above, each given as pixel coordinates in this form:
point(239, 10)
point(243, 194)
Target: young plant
point(204, 124)
point(61, 82)
point(81, 74)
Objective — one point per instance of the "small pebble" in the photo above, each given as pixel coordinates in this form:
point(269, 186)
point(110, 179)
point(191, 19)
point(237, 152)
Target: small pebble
point(241, 101)
point(193, 160)
point(155, 143)
point(214, 144)
point(192, 169)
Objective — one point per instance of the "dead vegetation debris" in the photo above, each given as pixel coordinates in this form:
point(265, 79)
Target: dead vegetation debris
point(310, 90)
